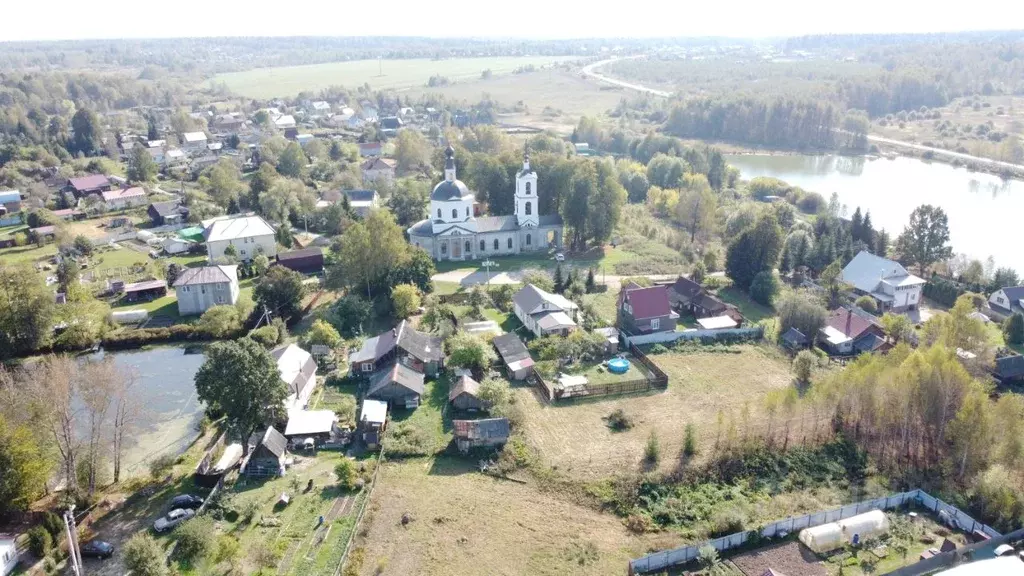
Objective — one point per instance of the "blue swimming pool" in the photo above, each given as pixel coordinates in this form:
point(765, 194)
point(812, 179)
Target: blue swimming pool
point(618, 365)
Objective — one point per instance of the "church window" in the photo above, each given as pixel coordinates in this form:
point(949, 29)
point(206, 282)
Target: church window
point(467, 211)
point(469, 247)
point(438, 213)
point(528, 185)
point(529, 208)
point(528, 239)
point(495, 243)
point(483, 245)
point(455, 213)
point(510, 243)
point(444, 248)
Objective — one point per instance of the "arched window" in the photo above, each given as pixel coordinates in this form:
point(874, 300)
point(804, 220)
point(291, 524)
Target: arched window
point(528, 239)
point(510, 243)
point(483, 245)
point(528, 185)
point(529, 208)
point(495, 243)
point(444, 248)
point(438, 213)
point(469, 247)
point(455, 213)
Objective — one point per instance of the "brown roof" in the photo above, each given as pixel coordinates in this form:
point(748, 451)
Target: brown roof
point(685, 288)
point(646, 302)
point(464, 385)
point(399, 374)
point(376, 164)
point(145, 285)
point(90, 182)
point(709, 302)
point(848, 322)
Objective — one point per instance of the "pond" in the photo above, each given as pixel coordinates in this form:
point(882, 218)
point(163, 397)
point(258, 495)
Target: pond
point(983, 210)
point(166, 394)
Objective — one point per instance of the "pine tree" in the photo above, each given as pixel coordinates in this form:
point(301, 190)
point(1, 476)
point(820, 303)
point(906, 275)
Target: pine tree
point(591, 285)
point(856, 224)
point(559, 280)
point(867, 231)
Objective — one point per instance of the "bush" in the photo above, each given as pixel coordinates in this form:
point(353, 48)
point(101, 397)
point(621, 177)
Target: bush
point(867, 304)
point(1013, 329)
point(725, 522)
point(405, 299)
point(619, 421)
point(196, 539)
point(764, 288)
point(54, 524)
point(690, 442)
point(652, 450)
point(267, 336)
point(143, 556)
point(39, 541)
point(248, 510)
point(811, 203)
point(658, 349)
point(347, 474)
point(161, 466)
point(803, 366)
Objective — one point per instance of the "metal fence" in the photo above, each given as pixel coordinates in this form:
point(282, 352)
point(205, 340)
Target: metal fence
point(730, 334)
point(662, 560)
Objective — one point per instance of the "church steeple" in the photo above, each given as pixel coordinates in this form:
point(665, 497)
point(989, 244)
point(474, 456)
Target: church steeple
point(449, 164)
point(526, 194)
point(526, 157)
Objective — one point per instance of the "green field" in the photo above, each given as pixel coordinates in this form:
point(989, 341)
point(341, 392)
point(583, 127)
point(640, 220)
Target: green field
point(290, 80)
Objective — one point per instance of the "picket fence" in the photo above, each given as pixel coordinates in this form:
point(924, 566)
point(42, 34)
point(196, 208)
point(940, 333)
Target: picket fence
point(662, 337)
point(662, 560)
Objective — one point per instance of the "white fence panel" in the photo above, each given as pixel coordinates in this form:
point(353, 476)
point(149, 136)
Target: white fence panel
point(661, 560)
point(661, 337)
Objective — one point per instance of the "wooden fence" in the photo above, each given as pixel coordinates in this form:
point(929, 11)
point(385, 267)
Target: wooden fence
point(362, 511)
point(657, 379)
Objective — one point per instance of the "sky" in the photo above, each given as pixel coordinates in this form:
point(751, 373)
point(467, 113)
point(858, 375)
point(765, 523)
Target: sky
point(535, 19)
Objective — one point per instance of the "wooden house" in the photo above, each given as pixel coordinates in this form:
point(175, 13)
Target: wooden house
point(420, 351)
point(465, 395)
point(398, 385)
point(471, 434)
point(373, 418)
point(267, 454)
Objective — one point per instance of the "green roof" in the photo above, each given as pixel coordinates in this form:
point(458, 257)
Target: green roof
point(195, 233)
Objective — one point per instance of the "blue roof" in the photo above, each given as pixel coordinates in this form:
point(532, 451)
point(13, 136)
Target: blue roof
point(10, 196)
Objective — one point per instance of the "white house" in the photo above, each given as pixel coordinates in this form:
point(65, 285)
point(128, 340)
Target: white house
point(298, 370)
point(126, 198)
point(319, 107)
point(377, 170)
point(8, 554)
point(544, 313)
point(1007, 300)
point(199, 289)
point(250, 235)
point(194, 142)
point(284, 122)
point(174, 157)
point(888, 282)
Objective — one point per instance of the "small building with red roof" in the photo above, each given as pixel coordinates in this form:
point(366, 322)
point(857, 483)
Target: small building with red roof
point(645, 310)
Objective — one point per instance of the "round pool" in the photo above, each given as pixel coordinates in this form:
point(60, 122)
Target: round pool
point(618, 365)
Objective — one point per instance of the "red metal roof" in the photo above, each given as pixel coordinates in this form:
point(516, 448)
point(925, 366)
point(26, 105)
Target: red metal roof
point(646, 302)
point(848, 323)
point(90, 182)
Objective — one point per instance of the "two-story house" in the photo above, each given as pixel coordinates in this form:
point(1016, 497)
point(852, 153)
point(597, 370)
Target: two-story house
point(199, 289)
point(377, 170)
point(298, 370)
point(645, 310)
point(250, 235)
point(124, 198)
point(194, 143)
point(1007, 301)
point(889, 283)
point(421, 351)
point(362, 201)
point(544, 313)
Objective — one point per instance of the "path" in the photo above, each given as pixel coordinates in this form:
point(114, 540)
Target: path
point(588, 70)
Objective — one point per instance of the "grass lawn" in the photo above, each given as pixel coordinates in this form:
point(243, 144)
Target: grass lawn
point(598, 374)
point(445, 288)
point(429, 418)
point(340, 398)
point(751, 310)
point(290, 80)
point(464, 522)
point(27, 253)
point(575, 438)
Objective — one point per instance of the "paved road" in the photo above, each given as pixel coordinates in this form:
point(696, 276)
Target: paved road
point(589, 71)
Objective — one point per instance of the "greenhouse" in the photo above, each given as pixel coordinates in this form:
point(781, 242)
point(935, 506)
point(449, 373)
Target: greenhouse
point(852, 530)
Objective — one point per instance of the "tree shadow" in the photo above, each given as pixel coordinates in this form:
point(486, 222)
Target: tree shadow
point(449, 465)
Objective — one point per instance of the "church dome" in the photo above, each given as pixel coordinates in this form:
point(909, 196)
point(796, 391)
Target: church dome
point(446, 191)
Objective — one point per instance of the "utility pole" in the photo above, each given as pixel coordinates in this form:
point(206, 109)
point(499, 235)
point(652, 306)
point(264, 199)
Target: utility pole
point(74, 554)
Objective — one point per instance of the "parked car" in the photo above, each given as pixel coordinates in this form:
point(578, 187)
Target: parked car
point(173, 518)
point(186, 501)
point(559, 257)
point(97, 549)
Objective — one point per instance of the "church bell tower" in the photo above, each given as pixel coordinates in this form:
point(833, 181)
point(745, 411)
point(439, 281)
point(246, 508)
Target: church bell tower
point(527, 204)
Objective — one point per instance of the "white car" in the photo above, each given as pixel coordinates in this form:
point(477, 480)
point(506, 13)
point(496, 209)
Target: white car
point(559, 257)
point(173, 518)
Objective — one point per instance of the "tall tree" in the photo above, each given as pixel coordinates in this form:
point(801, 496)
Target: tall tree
point(86, 126)
point(409, 201)
point(25, 473)
point(26, 310)
point(369, 252)
point(292, 162)
point(260, 182)
point(925, 240)
point(99, 379)
point(54, 390)
point(696, 208)
point(141, 167)
point(223, 182)
point(411, 150)
point(755, 250)
point(280, 290)
point(242, 380)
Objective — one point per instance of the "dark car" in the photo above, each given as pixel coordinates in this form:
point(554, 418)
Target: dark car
point(97, 549)
point(186, 501)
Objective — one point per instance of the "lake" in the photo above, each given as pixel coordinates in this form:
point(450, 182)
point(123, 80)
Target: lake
point(166, 393)
point(984, 210)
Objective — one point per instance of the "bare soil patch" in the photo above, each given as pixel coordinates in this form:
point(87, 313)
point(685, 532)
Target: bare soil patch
point(789, 558)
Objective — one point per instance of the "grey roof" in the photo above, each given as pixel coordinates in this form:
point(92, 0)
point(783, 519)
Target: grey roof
point(549, 220)
point(528, 298)
point(375, 163)
point(1014, 293)
point(684, 289)
point(301, 253)
point(398, 373)
point(169, 208)
point(207, 275)
point(794, 336)
point(866, 271)
point(422, 228)
point(511, 348)
point(360, 195)
point(868, 342)
point(464, 385)
point(274, 441)
point(481, 429)
point(709, 302)
point(497, 223)
point(1010, 366)
point(445, 190)
point(425, 347)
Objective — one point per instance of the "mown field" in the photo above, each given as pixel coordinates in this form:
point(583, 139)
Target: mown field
point(575, 437)
point(290, 80)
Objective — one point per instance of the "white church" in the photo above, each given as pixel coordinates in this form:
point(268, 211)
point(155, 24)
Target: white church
point(453, 232)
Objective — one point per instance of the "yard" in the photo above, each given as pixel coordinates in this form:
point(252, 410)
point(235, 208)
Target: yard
point(290, 80)
point(575, 437)
point(463, 522)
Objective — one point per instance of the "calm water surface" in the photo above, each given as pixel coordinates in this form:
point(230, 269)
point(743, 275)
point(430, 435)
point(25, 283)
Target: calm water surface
point(986, 213)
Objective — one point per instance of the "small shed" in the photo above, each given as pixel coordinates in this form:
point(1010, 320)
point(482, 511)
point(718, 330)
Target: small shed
point(515, 356)
point(398, 385)
point(145, 290)
point(717, 323)
point(611, 338)
point(1010, 368)
point(315, 424)
point(794, 339)
point(267, 454)
point(373, 421)
point(465, 394)
point(471, 434)
point(304, 261)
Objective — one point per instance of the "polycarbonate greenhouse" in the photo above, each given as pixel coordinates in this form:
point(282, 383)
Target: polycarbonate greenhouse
point(853, 529)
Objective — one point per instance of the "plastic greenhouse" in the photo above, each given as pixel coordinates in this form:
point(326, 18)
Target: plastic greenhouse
point(854, 529)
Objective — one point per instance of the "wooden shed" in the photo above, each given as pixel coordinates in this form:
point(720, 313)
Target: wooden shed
point(304, 261)
point(397, 385)
point(267, 454)
point(465, 395)
point(480, 433)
